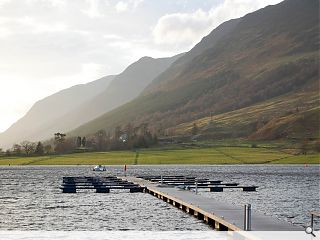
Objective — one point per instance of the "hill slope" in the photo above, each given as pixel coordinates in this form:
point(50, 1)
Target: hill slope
point(124, 87)
point(39, 120)
point(265, 54)
point(291, 116)
point(72, 107)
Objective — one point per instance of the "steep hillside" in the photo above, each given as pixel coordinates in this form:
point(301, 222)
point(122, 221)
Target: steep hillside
point(263, 55)
point(124, 87)
point(293, 116)
point(181, 64)
point(38, 122)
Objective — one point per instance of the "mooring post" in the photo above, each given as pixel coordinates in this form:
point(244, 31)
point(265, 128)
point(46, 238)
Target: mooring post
point(196, 186)
point(247, 217)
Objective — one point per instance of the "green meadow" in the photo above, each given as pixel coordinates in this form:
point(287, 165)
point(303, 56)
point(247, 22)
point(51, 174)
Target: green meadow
point(206, 155)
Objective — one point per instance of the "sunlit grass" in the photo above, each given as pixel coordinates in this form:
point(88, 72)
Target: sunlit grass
point(209, 155)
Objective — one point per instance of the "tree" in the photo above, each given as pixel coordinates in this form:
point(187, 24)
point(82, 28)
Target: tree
point(78, 141)
point(8, 153)
point(117, 133)
point(59, 142)
point(47, 149)
point(129, 131)
point(144, 128)
point(101, 140)
point(39, 149)
point(83, 142)
point(28, 147)
point(17, 149)
point(59, 137)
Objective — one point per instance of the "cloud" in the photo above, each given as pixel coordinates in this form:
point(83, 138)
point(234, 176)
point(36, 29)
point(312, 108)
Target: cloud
point(3, 2)
point(122, 6)
point(181, 27)
point(93, 9)
point(186, 29)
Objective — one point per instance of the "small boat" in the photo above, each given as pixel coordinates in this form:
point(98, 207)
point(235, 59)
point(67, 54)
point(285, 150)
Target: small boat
point(99, 168)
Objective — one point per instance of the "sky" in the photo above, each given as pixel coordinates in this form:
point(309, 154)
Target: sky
point(50, 45)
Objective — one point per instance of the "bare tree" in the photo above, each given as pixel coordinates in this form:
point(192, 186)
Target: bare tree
point(28, 147)
point(47, 149)
point(17, 149)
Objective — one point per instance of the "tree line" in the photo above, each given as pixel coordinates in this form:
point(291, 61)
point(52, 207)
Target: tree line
point(122, 138)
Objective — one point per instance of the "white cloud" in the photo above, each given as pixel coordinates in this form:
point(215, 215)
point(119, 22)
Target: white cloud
point(40, 27)
point(121, 6)
point(112, 37)
point(4, 32)
point(51, 3)
point(136, 3)
point(181, 27)
point(93, 9)
point(186, 29)
point(3, 2)
point(124, 6)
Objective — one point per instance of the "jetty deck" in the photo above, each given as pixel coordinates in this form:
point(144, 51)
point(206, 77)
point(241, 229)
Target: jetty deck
point(100, 184)
point(220, 215)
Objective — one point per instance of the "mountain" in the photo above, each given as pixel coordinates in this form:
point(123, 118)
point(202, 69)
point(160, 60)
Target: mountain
point(293, 116)
point(123, 88)
point(265, 55)
point(39, 121)
point(74, 106)
point(180, 65)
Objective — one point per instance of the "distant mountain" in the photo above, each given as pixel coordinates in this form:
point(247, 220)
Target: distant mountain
point(39, 121)
point(264, 55)
point(123, 88)
point(74, 106)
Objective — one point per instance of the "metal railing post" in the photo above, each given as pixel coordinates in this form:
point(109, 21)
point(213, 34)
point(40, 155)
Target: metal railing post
point(247, 217)
point(196, 186)
point(161, 179)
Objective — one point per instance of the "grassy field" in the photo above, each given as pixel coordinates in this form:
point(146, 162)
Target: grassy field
point(212, 155)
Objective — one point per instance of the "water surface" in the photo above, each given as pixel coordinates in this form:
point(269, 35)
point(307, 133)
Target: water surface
point(30, 198)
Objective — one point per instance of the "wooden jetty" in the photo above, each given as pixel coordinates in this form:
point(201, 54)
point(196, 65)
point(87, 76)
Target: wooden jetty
point(221, 216)
point(197, 183)
point(100, 184)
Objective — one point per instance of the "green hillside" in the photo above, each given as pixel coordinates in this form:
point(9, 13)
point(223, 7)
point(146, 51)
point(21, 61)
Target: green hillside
point(266, 55)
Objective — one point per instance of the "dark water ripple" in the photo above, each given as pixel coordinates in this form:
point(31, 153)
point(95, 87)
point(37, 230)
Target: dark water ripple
point(30, 198)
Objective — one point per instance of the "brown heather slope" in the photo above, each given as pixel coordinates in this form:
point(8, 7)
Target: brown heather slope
point(292, 116)
point(266, 54)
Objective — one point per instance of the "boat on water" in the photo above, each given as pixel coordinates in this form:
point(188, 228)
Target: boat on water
point(99, 168)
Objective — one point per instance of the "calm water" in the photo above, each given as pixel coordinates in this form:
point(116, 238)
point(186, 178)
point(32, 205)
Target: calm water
point(30, 198)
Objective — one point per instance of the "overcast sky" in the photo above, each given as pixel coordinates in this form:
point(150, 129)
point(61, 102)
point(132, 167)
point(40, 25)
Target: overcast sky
point(49, 45)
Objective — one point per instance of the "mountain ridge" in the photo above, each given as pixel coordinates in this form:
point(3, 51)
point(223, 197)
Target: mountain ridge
point(71, 107)
point(262, 57)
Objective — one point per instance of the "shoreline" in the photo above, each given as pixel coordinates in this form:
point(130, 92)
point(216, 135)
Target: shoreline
point(173, 164)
